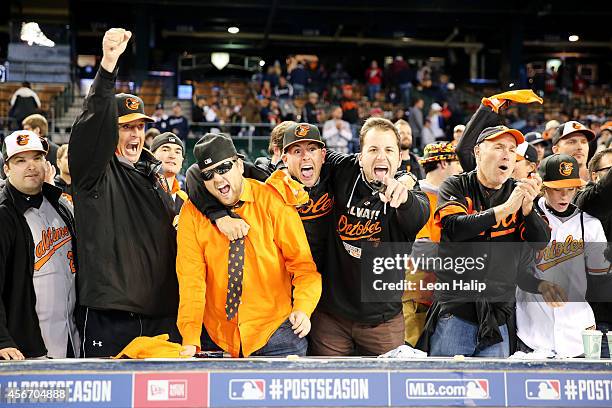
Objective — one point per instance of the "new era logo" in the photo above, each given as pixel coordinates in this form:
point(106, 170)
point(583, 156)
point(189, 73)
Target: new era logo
point(207, 161)
point(166, 390)
point(254, 389)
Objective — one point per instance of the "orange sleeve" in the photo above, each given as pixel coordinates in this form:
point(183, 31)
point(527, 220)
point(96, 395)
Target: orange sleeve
point(191, 274)
point(448, 209)
point(290, 237)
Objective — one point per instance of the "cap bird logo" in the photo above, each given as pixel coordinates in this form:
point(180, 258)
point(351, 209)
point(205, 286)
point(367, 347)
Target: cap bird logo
point(566, 168)
point(132, 103)
point(577, 125)
point(22, 140)
point(302, 130)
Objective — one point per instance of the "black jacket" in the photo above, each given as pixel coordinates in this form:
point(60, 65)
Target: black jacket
point(360, 221)
point(413, 166)
point(595, 199)
point(465, 210)
point(483, 118)
point(19, 325)
point(127, 245)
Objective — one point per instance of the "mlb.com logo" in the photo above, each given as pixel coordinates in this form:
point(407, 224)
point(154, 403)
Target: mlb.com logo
point(543, 389)
point(447, 389)
point(166, 390)
point(247, 389)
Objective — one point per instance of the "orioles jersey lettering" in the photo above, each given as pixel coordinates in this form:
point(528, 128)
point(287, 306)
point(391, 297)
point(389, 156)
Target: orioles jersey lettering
point(316, 209)
point(51, 240)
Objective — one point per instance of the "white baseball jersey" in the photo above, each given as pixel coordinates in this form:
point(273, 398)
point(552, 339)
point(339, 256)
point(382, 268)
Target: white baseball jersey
point(565, 261)
point(54, 279)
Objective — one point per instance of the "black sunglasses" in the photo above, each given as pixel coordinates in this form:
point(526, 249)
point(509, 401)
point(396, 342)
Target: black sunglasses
point(603, 169)
point(220, 169)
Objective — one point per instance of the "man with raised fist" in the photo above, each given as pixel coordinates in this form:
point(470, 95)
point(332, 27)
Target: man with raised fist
point(126, 242)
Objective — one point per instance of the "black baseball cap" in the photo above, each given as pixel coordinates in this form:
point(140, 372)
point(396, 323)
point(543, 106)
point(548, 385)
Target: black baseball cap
point(570, 128)
point(494, 132)
point(165, 138)
point(535, 138)
point(560, 171)
point(130, 108)
point(301, 132)
point(214, 148)
point(526, 151)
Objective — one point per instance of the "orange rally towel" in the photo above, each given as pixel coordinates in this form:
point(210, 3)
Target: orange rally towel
point(152, 347)
point(291, 191)
point(519, 96)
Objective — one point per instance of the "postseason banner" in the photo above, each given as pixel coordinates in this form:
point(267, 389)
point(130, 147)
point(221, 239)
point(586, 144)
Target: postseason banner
point(66, 390)
point(310, 388)
point(302, 388)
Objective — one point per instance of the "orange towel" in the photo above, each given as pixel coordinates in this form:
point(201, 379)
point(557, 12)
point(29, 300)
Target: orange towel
point(291, 191)
point(152, 347)
point(519, 96)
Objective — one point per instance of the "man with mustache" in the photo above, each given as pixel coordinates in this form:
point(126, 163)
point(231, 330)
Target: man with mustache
point(124, 214)
point(573, 138)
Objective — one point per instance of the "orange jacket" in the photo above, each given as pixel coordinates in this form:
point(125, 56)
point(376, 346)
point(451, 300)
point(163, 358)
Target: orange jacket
point(277, 257)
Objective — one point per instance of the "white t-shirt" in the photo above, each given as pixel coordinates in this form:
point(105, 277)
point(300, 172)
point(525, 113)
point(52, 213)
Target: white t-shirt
point(566, 260)
point(54, 279)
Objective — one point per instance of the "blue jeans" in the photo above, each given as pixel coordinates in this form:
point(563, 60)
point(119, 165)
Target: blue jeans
point(604, 327)
point(454, 335)
point(282, 343)
point(372, 91)
point(406, 91)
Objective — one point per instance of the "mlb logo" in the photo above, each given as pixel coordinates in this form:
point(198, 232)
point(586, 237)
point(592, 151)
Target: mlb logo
point(543, 389)
point(477, 389)
point(247, 389)
point(166, 390)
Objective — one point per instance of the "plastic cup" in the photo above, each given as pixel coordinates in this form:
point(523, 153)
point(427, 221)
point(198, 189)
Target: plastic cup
point(591, 341)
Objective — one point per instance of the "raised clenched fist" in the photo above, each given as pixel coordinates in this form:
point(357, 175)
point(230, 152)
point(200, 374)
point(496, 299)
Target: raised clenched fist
point(113, 45)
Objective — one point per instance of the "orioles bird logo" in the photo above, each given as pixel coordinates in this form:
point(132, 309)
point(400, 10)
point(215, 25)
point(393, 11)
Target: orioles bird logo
point(566, 168)
point(132, 103)
point(577, 125)
point(302, 130)
point(22, 140)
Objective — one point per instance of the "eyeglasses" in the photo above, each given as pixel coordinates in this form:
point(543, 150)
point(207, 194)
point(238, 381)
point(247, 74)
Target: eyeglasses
point(220, 169)
point(603, 169)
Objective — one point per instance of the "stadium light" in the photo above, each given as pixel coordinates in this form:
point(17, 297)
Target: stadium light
point(573, 38)
point(32, 34)
point(233, 30)
point(262, 63)
point(219, 59)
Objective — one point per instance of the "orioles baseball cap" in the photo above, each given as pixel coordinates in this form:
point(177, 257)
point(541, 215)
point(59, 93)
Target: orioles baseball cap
point(165, 138)
point(560, 171)
point(23, 141)
point(129, 108)
point(214, 148)
point(525, 151)
point(606, 126)
point(301, 132)
point(435, 152)
point(571, 128)
point(494, 132)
